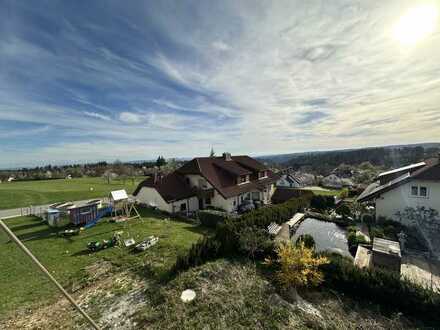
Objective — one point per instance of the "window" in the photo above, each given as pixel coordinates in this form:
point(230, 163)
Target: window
point(414, 191)
point(419, 191)
point(183, 207)
point(208, 201)
point(243, 178)
point(255, 195)
point(262, 174)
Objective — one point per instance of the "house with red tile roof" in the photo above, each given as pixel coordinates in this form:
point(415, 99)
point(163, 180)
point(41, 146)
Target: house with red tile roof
point(223, 182)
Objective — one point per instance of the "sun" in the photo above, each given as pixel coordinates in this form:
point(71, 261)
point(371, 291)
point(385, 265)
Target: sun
point(416, 24)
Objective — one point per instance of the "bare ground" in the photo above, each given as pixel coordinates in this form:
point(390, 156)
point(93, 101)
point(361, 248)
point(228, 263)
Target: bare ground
point(230, 295)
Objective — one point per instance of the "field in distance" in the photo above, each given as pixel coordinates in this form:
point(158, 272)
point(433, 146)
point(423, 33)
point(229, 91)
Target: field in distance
point(25, 193)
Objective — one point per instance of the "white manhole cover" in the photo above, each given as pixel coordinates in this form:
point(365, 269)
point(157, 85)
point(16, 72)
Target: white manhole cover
point(188, 295)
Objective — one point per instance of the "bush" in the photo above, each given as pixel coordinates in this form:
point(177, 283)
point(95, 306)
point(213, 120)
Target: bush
point(211, 218)
point(368, 219)
point(228, 240)
point(307, 240)
point(318, 202)
point(344, 210)
point(385, 288)
point(377, 232)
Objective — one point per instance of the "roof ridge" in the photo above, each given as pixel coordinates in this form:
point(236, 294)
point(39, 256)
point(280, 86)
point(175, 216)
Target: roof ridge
point(198, 165)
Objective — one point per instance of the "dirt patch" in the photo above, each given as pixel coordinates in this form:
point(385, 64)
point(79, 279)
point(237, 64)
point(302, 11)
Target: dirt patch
point(111, 299)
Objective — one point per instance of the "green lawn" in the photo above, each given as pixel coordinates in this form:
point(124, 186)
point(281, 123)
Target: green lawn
point(22, 284)
point(21, 194)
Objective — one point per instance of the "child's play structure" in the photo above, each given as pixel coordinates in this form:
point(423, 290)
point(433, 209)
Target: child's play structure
point(86, 215)
point(123, 206)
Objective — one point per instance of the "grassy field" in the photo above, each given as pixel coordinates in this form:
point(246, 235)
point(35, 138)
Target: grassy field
point(21, 194)
point(22, 284)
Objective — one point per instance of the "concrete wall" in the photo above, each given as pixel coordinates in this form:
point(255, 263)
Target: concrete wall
point(398, 199)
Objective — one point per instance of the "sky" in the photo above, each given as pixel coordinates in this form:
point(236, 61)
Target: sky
point(83, 81)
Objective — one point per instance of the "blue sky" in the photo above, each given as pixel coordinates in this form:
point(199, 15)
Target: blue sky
point(104, 80)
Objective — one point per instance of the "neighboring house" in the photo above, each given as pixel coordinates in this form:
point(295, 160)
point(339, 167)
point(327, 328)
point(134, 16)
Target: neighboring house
point(222, 182)
point(289, 181)
point(332, 181)
point(410, 195)
point(347, 183)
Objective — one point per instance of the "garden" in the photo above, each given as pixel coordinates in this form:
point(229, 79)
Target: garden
point(22, 284)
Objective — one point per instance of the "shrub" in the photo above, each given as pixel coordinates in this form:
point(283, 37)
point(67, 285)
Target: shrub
point(377, 232)
point(368, 219)
point(226, 240)
point(296, 266)
point(307, 240)
point(200, 252)
point(344, 210)
point(318, 202)
point(385, 288)
point(254, 242)
point(211, 218)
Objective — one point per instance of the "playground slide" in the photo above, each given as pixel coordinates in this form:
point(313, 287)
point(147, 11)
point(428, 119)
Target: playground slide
point(101, 213)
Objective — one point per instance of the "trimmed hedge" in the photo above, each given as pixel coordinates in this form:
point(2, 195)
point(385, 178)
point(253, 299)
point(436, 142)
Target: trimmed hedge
point(211, 218)
point(385, 288)
point(226, 240)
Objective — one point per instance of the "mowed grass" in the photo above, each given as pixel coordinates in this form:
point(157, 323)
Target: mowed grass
point(22, 283)
point(25, 193)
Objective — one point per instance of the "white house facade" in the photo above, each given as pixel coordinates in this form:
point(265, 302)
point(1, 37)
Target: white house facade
point(411, 196)
point(219, 182)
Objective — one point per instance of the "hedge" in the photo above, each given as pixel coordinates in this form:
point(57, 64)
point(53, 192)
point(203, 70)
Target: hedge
point(383, 287)
point(226, 240)
point(210, 218)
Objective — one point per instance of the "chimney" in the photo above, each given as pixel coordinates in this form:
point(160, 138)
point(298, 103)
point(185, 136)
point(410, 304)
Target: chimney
point(155, 177)
point(227, 156)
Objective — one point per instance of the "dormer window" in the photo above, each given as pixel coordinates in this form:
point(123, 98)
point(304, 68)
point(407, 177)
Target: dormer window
point(243, 179)
point(262, 174)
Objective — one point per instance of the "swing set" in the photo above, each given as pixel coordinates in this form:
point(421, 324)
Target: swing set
point(122, 209)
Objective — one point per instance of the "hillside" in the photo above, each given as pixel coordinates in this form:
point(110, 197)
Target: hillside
point(230, 295)
point(386, 157)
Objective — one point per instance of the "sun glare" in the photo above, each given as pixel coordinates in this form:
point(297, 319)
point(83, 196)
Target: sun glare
point(416, 24)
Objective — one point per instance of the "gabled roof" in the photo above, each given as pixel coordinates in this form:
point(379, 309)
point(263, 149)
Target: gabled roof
point(429, 171)
point(172, 187)
point(222, 174)
point(401, 169)
point(293, 178)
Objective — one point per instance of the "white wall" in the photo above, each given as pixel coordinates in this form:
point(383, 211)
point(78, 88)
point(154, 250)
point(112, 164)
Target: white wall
point(150, 196)
point(398, 199)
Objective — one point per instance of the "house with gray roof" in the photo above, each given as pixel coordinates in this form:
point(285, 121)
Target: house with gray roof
point(411, 196)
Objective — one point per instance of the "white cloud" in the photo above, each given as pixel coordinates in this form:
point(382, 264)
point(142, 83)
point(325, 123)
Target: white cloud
point(220, 45)
point(130, 117)
point(96, 115)
point(245, 80)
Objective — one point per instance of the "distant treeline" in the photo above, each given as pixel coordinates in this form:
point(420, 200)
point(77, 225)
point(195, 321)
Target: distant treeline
point(99, 169)
point(384, 157)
